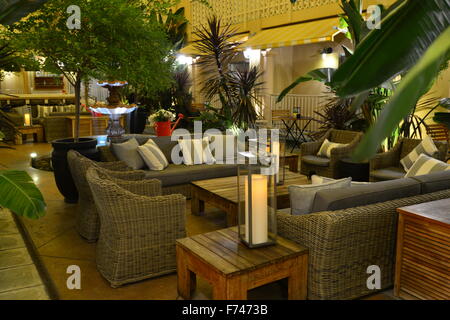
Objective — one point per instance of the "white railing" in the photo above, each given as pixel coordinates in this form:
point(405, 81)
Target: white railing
point(240, 11)
point(307, 104)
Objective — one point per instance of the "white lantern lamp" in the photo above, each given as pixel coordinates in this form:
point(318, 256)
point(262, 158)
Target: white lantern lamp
point(257, 201)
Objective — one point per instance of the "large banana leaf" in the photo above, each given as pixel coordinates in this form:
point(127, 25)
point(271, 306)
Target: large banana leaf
point(316, 75)
point(416, 83)
point(19, 194)
point(406, 33)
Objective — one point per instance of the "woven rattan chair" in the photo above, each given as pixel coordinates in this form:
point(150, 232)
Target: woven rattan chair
point(387, 166)
point(311, 163)
point(87, 223)
point(439, 132)
point(137, 233)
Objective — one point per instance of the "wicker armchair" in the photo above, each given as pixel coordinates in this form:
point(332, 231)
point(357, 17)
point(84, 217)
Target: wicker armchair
point(387, 166)
point(310, 162)
point(137, 233)
point(88, 224)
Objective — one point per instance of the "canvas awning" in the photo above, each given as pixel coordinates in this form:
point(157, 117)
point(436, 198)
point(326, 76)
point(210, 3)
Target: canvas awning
point(293, 35)
point(190, 49)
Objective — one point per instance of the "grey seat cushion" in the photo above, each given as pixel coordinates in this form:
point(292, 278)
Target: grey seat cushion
point(389, 173)
point(182, 174)
point(316, 161)
point(434, 182)
point(330, 200)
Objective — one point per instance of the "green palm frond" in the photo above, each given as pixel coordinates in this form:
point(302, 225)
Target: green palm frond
point(19, 194)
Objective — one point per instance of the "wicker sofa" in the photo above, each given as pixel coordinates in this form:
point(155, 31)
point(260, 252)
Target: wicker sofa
point(175, 178)
point(354, 228)
point(310, 162)
point(386, 166)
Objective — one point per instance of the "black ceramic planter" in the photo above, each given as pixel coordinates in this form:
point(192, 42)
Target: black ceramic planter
point(63, 178)
point(138, 121)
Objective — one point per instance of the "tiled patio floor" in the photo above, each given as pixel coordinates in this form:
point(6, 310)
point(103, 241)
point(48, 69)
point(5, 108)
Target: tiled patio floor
point(58, 245)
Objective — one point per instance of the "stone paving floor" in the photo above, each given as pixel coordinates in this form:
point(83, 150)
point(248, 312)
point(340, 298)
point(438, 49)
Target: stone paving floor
point(19, 277)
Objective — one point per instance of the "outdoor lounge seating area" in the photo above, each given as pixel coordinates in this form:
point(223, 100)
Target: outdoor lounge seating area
point(224, 150)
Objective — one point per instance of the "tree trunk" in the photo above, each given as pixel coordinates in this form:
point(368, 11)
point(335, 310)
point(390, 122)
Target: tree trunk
point(86, 93)
point(77, 107)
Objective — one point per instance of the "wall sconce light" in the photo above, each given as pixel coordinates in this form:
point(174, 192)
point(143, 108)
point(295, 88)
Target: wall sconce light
point(250, 54)
point(182, 59)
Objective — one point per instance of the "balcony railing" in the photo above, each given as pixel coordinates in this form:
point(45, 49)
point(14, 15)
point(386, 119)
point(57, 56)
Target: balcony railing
point(241, 11)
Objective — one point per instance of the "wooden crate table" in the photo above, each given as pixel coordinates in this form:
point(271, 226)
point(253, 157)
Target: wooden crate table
point(222, 193)
point(423, 251)
point(232, 268)
point(37, 131)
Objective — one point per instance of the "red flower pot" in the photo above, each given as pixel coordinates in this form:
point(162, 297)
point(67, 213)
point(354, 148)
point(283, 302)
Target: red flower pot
point(163, 128)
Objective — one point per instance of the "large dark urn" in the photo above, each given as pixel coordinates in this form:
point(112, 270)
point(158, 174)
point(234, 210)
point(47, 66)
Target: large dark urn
point(63, 178)
point(138, 120)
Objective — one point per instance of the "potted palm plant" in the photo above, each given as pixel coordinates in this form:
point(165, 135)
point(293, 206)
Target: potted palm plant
point(80, 46)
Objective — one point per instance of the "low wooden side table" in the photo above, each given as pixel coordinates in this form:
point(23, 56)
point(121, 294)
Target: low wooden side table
point(233, 269)
point(37, 131)
point(291, 160)
point(422, 268)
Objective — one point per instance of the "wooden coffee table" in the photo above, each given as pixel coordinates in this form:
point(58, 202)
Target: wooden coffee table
point(232, 268)
point(222, 193)
point(291, 160)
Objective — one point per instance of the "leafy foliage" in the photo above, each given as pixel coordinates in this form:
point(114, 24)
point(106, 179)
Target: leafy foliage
point(19, 194)
point(116, 41)
point(237, 89)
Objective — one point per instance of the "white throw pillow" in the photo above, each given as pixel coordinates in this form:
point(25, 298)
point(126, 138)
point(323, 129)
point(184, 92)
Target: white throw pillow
point(302, 196)
point(196, 151)
point(327, 146)
point(315, 179)
point(427, 147)
point(127, 152)
point(425, 165)
point(152, 155)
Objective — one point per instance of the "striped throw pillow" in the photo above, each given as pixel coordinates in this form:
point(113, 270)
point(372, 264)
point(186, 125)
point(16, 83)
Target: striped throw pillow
point(152, 155)
point(425, 165)
point(327, 146)
point(427, 147)
point(196, 151)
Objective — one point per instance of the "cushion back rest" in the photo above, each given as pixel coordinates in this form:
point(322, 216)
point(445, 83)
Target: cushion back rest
point(343, 136)
point(330, 200)
point(434, 182)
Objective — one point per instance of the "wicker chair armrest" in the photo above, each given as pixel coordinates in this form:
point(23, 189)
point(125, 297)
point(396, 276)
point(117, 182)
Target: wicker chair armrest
point(115, 165)
point(343, 152)
point(131, 175)
point(386, 159)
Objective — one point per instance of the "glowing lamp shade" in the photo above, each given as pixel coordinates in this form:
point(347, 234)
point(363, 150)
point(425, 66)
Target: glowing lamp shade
point(329, 60)
point(27, 119)
point(257, 204)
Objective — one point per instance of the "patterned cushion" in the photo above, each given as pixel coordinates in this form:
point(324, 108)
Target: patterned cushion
point(153, 156)
point(425, 165)
point(427, 147)
point(302, 196)
point(327, 146)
